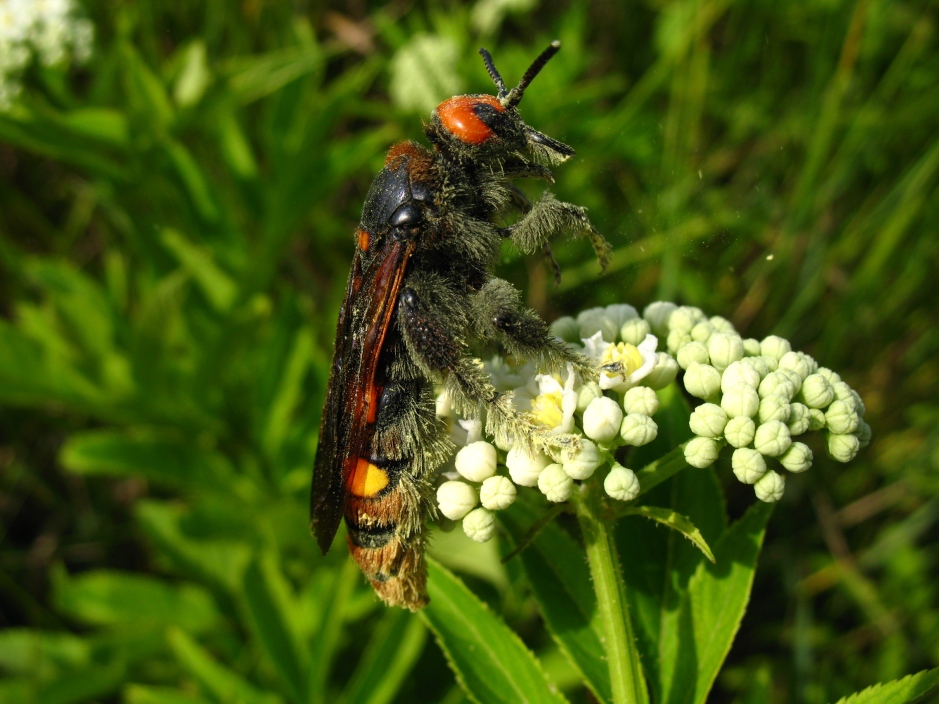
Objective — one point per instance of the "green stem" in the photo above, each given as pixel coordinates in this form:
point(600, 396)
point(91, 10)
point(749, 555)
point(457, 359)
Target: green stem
point(626, 678)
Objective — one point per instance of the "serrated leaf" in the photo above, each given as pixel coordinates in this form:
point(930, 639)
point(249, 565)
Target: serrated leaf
point(674, 520)
point(912, 689)
point(490, 661)
point(111, 598)
point(560, 580)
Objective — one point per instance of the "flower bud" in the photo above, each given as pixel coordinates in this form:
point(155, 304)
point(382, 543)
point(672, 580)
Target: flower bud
point(739, 431)
point(770, 487)
point(793, 377)
point(586, 394)
point(748, 465)
point(701, 452)
point(843, 448)
point(479, 525)
point(798, 418)
point(761, 364)
point(798, 362)
point(555, 483)
point(775, 347)
point(724, 349)
point(841, 419)
point(676, 340)
point(708, 420)
point(722, 325)
point(657, 314)
point(594, 320)
point(739, 373)
point(476, 461)
point(663, 373)
point(863, 434)
point(842, 391)
point(566, 328)
point(621, 483)
point(772, 438)
point(816, 391)
point(602, 419)
point(816, 419)
point(497, 493)
point(621, 313)
point(774, 407)
point(702, 381)
point(741, 401)
point(634, 331)
point(833, 377)
point(524, 468)
point(455, 499)
point(638, 430)
point(642, 400)
point(683, 319)
point(702, 331)
point(691, 353)
point(751, 347)
point(777, 383)
point(797, 458)
point(584, 462)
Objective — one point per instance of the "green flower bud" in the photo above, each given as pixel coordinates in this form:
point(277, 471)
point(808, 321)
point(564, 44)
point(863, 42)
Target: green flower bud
point(455, 499)
point(774, 407)
point(797, 458)
point(566, 328)
point(524, 467)
point(793, 377)
point(775, 347)
point(642, 400)
point(842, 391)
point(683, 319)
point(638, 429)
point(587, 394)
point(722, 325)
point(594, 320)
point(800, 363)
point(739, 431)
point(724, 349)
point(843, 448)
point(772, 438)
point(833, 377)
point(479, 525)
point(739, 373)
point(634, 331)
point(692, 353)
point(841, 419)
point(740, 401)
point(770, 487)
point(676, 340)
point(582, 463)
point(777, 384)
point(816, 391)
point(620, 313)
point(663, 373)
point(702, 331)
point(748, 465)
point(708, 420)
point(476, 461)
point(621, 483)
point(798, 418)
point(701, 452)
point(555, 483)
point(816, 419)
point(497, 493)
point(702, 381)
point(863, 434)
point(760, 363)
point(657, 314)
point(602, 419)
point(751, 347)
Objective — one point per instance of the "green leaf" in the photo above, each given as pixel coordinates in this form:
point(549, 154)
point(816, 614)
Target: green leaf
point(219, 288)
point(490, 661)
point(94, 682)
point(194, 181)
point(675, 521)
point(391, 653)
point(912, 689)
point(289, 392)
point(225, 685)
point(102, 124)
point(555, 566)
point(144, 694)
point(147, 454)
point(109, 598)
point(270, 605)
point(330, 621)
point(713, 608)
point(41, 653)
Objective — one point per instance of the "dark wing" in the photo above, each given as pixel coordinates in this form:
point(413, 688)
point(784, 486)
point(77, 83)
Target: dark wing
point(371, 295)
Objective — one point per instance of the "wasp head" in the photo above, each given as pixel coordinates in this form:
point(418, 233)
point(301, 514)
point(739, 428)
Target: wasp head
point(490, 128)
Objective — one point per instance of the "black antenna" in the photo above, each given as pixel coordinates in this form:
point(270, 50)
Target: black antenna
point(494, 73)
point(514, 96)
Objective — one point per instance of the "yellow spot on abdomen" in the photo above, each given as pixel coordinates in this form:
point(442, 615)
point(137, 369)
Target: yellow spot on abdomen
point(368, 479)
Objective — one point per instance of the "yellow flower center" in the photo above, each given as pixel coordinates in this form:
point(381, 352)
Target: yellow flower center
point(547, 409)
point(624, 353)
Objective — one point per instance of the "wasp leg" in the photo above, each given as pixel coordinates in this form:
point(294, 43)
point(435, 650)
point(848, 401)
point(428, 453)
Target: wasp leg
point(524, 204)
point(550, 217)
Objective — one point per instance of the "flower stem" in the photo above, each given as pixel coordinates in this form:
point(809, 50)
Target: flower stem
point(626, 677)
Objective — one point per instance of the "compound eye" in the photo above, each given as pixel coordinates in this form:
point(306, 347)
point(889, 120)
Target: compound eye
point(407, 215)
point(460, 116)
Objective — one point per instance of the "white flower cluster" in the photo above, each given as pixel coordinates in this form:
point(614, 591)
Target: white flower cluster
point(615, 410)
point(52, 30)
point(759, 395)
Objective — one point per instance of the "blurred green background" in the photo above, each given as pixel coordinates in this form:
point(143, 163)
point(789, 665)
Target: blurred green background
point(176, 219)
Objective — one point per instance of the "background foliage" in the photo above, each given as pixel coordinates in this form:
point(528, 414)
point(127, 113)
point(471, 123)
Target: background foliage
point(175, 232)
